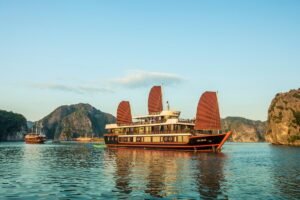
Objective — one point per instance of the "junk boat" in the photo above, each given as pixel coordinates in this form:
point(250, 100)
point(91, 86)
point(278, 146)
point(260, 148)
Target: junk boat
point(164, 129)
point(35, 138)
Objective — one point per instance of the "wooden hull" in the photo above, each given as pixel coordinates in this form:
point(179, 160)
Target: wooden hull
point(202, 143)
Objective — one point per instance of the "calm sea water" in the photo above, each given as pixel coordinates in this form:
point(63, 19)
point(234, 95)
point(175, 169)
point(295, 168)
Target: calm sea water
point(82, 171)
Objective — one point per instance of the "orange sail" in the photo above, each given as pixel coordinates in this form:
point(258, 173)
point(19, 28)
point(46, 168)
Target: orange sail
point(208, 115)
point(155, 100)
point(124, 113)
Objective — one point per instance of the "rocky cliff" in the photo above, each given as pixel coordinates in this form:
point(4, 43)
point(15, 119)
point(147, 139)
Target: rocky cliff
point(284, 119)
point(67, 122)
point(12, 126)
point(244, 130)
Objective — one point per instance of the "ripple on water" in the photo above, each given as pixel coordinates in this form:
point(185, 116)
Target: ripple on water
point(79, 171)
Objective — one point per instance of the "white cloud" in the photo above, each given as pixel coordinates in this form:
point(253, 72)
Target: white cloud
point(73, 89)
point(137, 78)
point(133, 79)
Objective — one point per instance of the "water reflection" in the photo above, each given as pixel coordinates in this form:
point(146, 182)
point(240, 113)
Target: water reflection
point(210, 177)
point(123, 172)
point(168, 173)
point(80, 171)
point(286, 171)
point(156, 174)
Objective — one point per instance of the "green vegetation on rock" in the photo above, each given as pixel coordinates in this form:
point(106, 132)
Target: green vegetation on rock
point(296, 95)
point(12, 126)
point(297, 118)
point(293, 138)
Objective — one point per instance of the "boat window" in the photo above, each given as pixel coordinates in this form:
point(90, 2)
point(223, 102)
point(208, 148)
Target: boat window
point(141, 130)
point(123, 139)
point(179, 138)
point(147, 139)
point(152, 129)
point(185, 138)
point(161, 128)
point(175, 127)
point(170, 139)
point(156, 129)
point(136, 130)
point(180, 128)
point(148, 129)
point(170, 127)
point(138, 139)
point(165, 138)
point(155, 139)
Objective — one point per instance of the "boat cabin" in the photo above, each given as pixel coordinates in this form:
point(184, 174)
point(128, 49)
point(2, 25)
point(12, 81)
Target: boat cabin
point(164, 123)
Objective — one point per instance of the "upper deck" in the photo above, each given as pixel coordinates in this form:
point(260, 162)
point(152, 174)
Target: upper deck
point(165, 117)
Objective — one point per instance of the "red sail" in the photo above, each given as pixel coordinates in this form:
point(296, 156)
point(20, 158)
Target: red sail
point(124, 113)
point(155, 100)
point(208, 115)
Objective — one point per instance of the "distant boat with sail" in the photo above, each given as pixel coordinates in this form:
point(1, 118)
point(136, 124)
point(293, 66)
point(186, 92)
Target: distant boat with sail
point(164, 129)
point(35, 138)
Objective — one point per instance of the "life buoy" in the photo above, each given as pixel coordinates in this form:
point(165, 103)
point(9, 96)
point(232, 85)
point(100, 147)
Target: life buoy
point(170, 139)
point(138, 139)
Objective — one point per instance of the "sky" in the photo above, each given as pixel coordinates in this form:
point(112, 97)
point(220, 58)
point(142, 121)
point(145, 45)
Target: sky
point(55, 53)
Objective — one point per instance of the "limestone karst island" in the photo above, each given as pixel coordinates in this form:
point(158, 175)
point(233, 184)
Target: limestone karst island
point(69, 122)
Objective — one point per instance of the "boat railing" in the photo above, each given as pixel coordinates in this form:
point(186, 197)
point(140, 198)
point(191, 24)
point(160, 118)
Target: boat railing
point(144, 122)
point(157, 132)
point(157, 122)
point(186, 121)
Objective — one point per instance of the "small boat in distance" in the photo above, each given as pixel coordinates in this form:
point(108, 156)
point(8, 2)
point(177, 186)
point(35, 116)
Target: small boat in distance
point(83, 139)
point(35, 138)
point(87, 138)
point(164, 129)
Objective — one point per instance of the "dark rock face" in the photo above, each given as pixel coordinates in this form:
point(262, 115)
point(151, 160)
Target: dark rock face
point(67, 122)
point(284, 119)
point(13, 126)
point(244, 130)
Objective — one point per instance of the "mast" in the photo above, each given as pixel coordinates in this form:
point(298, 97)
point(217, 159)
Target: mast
point(162, 95)
point(41, 129)
point(168, 105)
